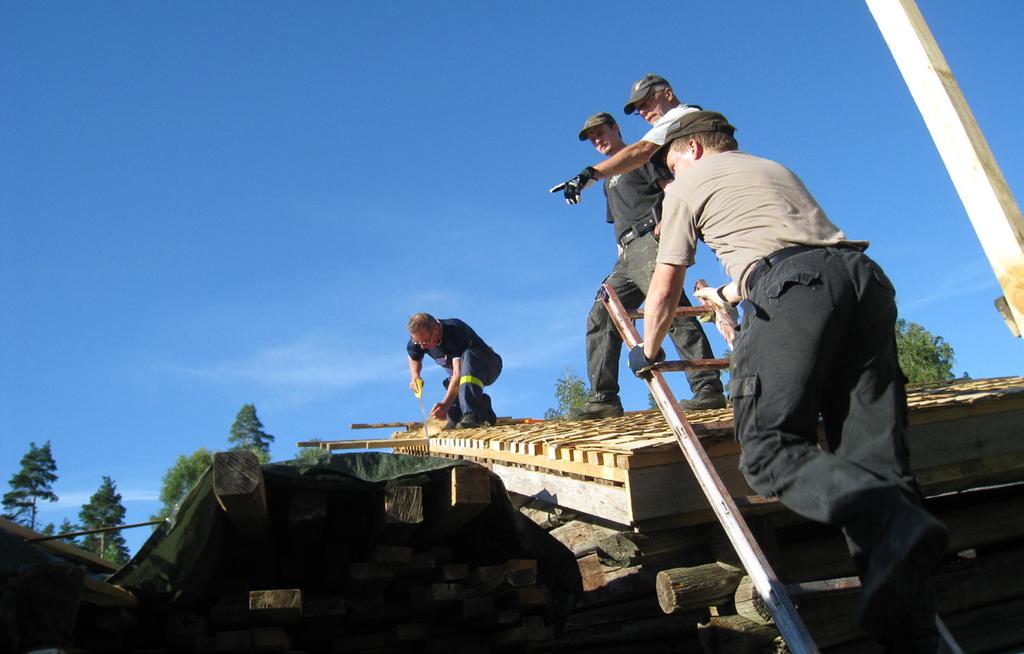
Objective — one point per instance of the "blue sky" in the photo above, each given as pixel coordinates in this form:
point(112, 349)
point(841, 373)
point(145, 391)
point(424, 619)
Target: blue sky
point(208, 204)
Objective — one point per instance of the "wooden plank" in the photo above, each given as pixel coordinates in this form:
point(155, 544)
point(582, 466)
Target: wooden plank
point(608, 502)
point(986, 196)
point(666, 490)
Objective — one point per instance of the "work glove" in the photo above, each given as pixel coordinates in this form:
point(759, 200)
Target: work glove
point(725, 317)
point(640, 364)
point(712, 296)
point(573, 188)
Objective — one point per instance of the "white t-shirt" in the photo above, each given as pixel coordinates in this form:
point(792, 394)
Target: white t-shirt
point(659, 130)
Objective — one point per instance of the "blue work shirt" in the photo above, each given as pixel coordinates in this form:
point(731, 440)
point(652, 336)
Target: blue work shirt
point(456, 338)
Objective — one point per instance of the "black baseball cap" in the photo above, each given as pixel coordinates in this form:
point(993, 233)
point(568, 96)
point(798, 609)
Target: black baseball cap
point(693, 122)
point(602, 118)
point(641, 89)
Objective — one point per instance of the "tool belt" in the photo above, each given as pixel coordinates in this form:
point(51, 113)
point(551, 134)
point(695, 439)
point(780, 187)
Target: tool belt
point(636, 231)
point(765, 264)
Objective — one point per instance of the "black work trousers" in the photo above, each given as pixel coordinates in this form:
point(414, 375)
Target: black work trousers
point(818, 339)
point(630, 279)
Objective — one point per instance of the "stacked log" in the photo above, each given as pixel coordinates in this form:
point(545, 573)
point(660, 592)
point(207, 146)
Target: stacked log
point(691, 577)
point(323, 571)
point(979, 581)
point(618, 611)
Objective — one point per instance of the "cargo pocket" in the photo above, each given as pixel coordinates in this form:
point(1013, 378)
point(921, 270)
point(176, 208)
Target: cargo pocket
point(744, 390)
point(757, 450)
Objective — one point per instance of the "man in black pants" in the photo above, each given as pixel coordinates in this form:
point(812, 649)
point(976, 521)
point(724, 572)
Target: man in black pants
point(634, 208)
point(470, 362)
point(817, 338)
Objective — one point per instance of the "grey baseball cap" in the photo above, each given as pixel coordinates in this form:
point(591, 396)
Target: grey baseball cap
point(641, 89)
point(693, 123)
point(602, 118)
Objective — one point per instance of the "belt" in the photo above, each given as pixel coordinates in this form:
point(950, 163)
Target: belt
point(765, 264)
point(636, 231)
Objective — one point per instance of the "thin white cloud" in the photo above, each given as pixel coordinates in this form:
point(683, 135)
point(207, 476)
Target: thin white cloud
point(74, 499)
point(954, 287)
point(301, 365)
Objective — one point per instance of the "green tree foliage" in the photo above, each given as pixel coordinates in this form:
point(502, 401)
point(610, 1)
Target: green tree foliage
point(570, 392)
point(30, 485)
point(309, 455)
point(66, 527)
point(104, 509)
point(180, 478)
point(247, 433)
point(923, 356)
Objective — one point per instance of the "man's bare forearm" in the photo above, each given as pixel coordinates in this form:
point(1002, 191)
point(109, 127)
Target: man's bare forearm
point(660, 306)
point(628, 158)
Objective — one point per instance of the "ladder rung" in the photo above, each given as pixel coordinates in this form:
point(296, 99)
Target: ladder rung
point(807, 588)
point(692, 364)
point(638, 314)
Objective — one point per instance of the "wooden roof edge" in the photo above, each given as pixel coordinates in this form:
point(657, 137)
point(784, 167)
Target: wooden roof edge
point(58, 548)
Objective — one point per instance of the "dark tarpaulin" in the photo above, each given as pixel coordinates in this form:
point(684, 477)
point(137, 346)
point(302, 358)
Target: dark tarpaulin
point(178, 559)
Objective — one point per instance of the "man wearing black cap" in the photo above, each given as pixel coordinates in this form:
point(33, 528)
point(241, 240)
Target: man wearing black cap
point(652, 97)
point(634, 208)
point(817, 338)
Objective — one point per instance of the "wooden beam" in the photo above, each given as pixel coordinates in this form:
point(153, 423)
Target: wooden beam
point(983, 190)
point(603, 501)
point(467, 493)
point(241, 492)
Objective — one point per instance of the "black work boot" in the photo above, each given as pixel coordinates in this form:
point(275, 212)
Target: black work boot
point(703, 400)
point(895, 587)
point(597, 409)
point(470, 421)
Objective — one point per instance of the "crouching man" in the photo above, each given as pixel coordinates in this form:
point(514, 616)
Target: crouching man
point(470, 362)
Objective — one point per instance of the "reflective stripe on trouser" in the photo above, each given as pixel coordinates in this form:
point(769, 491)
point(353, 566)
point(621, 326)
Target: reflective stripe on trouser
point(631, 279)
point(480, 367)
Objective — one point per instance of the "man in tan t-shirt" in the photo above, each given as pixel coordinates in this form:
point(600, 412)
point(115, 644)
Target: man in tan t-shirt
point(817, 339)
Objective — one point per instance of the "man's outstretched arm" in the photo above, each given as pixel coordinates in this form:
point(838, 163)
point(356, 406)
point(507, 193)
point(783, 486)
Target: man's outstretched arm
point(629, 158)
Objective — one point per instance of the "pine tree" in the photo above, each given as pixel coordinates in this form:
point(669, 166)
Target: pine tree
point(104, 509)
point(34, 482)
point(247, 433)
point(66, 527)
point(180, 478)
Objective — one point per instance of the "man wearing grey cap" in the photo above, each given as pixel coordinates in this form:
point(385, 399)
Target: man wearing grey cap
point(653, 98)
point(817, 339)
point(634, 209)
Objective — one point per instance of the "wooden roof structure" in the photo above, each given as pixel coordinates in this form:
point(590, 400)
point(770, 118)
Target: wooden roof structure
point(629, 470)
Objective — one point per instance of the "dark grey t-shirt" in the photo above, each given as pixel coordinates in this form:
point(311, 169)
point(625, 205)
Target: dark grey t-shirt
point(634, 195)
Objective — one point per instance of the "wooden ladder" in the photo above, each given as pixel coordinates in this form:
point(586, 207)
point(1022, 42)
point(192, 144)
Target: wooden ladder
point(773, 592)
